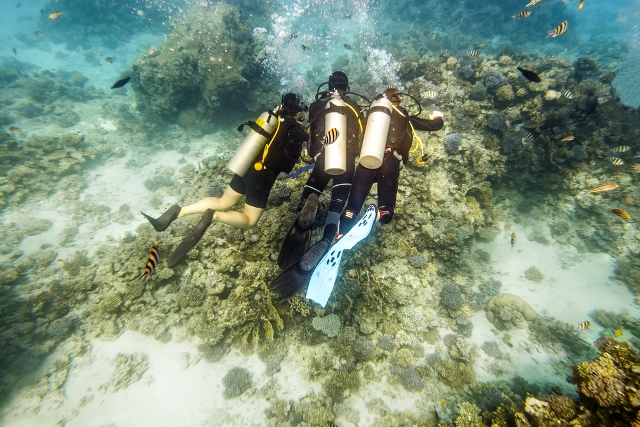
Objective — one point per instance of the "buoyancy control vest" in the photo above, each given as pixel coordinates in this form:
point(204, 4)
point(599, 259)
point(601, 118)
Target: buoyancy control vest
point(317, 113)
point(400, 136)
point(282, 153)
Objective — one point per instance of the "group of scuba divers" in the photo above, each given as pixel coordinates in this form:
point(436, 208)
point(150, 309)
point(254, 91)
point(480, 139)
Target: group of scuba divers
point(336, 138)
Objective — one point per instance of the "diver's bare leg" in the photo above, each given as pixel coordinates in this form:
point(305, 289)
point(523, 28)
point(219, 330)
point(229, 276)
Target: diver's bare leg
point(244, 220)
point(228, 199)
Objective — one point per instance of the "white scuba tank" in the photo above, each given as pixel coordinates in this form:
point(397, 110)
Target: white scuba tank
point(375, 136)
point(335, 156)
point(253, 144)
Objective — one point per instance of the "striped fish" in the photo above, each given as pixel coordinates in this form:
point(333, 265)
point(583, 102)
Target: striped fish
point(430, 94)
point(472, 53)
point(522, 14)
point(584, 325)
point(567, 94)
point(622, 149)
point(330, 137)
point(529, 136)
point(603, 187)
point(559, 30)
point(152, 263)
point(533, 3)
point(616, 161)
point(622, 214)
point(636, 167)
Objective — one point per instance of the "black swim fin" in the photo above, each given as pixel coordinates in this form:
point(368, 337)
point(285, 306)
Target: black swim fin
point(192, 239)
point(290, 281)
point(297, 240)
point(295, 243)
point(162, 222)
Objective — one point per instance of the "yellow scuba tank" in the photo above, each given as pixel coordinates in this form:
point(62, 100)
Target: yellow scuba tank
point(335, 157)
point(375, 136)
point(261, 132)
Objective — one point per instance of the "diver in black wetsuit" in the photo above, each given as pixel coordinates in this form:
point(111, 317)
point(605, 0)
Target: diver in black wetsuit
point(292, 249)
point(280, 154)
point(398, 144)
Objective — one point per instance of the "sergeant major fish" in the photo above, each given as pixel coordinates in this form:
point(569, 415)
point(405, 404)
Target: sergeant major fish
point(152, 263)
point(582, 326)
point(559, 30)
point(330, 137)
point(513, 239)
point(522, 14)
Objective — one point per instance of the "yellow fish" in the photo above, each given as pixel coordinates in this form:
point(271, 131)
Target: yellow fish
point(513, 239)
point(622, 214)
point(603, 187)
point(618, 332)
point(55, 15)
point(523, 14)
point(442, 402)
point(152, 263)
point(584, 325)
point(559, 30)
point(616, 161)
point(330, 137)
point(622, 149)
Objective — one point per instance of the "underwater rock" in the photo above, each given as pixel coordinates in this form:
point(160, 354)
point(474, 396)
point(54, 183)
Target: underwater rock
point(533, 274)
point(364, 349)
point(496, 121)
point(417, 260)
point(452, 143)
point(237, 381)
point(451, 298)
point(128, 369)
point(506, 310)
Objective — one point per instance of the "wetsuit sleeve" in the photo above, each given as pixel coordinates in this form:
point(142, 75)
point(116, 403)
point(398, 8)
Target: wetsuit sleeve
point(426, 124)
point(298, 134)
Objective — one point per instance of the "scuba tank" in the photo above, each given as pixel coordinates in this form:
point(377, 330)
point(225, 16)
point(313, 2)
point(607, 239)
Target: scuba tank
point(375, 135)
point(335, 160)
point(262, 131)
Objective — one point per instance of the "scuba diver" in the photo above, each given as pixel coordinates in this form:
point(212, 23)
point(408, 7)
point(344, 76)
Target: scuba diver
point(335, 127)
point(386, 119)
point(272, 146)
point(387, 140)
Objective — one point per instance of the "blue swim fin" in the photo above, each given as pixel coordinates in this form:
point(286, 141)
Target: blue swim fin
point(325, 274)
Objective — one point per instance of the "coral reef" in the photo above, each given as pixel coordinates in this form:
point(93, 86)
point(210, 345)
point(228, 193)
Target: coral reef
point(329, 324)
point(508, 311)
point(128, 369)
point(209, 64)
point(236, 381)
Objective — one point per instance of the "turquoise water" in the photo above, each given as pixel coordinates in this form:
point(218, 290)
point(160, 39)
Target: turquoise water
point(417, 327)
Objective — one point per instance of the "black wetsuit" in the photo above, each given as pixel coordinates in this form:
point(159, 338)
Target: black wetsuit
point(398, 144)
point(282, 155)
point(319, 179)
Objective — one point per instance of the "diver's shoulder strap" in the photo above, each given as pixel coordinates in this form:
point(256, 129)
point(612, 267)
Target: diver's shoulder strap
point(257, 128)
point(325, 274)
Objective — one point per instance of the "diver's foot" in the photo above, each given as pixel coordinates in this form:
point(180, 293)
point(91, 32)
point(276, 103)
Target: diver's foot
point(162, 222)
point(312, 257)
point(307, 215)
point(192, 239)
